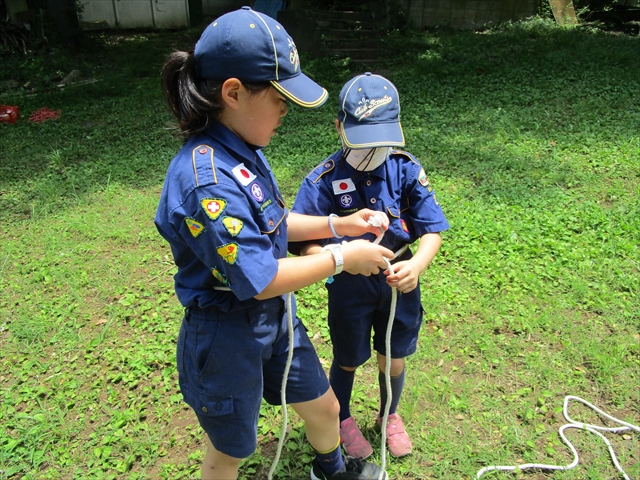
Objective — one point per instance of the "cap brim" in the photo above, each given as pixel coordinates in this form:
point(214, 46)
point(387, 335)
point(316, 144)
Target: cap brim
point(302, 91)
point(372, 135)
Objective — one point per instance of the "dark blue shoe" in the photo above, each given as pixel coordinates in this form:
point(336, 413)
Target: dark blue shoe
point(354, 469)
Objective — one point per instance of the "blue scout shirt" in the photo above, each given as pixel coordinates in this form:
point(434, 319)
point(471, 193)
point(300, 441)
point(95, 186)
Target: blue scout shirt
point(222, 214)
point(399, 187)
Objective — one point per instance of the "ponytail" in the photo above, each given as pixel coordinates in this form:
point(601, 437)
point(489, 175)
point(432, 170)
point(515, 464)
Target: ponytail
point(195, 103)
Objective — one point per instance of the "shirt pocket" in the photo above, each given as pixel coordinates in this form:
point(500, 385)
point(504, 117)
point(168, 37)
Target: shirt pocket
point(271, 220)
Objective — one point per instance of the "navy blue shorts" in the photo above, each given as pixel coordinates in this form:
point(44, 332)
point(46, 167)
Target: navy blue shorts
point(228, 362)
point(359, 305)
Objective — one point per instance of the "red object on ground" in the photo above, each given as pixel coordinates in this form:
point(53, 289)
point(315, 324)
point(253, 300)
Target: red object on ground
point(43, 114)
point(9, 114)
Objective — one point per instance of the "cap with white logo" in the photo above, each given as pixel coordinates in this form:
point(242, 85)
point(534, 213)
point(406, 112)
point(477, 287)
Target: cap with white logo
point(369, 113)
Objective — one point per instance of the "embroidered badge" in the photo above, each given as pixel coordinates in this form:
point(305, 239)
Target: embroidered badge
point(233, 225)
point(404, 225)
point(219, 276)
point(213, 207)
point(343, 186)
point(195, 227)
point(422, 178)
point(293, 55)
point(243, 174)
point(367, 106)
point(228, 252)
point(346, 200)
point(257, 192)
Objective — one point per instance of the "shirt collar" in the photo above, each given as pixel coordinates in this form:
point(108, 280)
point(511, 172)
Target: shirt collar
point(232, 142)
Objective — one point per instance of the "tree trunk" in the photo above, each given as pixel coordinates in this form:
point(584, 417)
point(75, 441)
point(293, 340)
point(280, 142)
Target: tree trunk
point(64, 16)
point(563, 12)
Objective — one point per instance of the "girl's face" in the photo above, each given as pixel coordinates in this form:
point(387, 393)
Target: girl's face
point(255, 116)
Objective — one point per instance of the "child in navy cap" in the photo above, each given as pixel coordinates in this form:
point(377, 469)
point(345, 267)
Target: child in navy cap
point(367, 173)
point(228, 228)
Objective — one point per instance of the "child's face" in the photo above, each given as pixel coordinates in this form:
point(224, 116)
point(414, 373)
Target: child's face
point(258, 116)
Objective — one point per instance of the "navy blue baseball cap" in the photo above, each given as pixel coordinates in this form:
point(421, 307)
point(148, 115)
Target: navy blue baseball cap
point(253, 47)
point(369, 113)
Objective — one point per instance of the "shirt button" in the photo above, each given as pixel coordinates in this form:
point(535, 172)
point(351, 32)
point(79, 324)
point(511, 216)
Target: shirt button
point(368, 183)
point(373, 200)
point(205, 410)
point(203, 151)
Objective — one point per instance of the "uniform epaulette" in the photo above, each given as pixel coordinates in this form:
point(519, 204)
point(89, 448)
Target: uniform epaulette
point(325, 167)
point(405, 154)
point(204, 169)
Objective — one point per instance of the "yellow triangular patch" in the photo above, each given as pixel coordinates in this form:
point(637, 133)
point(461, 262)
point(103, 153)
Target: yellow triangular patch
point(219, 276)
point(228, 252)
point(195, 227)
point(213, 207)
point(233, 225)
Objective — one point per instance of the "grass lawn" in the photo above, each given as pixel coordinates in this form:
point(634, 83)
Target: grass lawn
point(530, 134)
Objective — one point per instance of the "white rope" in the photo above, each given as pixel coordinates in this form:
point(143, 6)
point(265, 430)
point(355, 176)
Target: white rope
point(387, 345)
point(283, 389)
point(573, 424)
point(387, 376)
point(283, 398)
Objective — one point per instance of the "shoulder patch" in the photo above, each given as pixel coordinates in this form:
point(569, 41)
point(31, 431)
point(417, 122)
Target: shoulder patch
point(233, 225)
point(423, 179)
point(195, 227)
point(228, 252)
point(204, 169)
point(325, 167)
point(213, 207)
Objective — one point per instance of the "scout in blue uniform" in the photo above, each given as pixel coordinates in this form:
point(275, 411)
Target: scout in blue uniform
point(228, 228)
point(368, 173)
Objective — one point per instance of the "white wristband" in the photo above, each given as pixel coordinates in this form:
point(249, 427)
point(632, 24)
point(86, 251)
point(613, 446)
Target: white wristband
point(333, 230)
point(336, 252)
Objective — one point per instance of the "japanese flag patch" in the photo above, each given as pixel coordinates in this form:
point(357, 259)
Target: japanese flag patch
point(343, 186)
point(243, 174)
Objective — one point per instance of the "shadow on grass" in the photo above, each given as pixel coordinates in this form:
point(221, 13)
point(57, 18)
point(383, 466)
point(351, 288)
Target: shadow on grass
point(514, 110)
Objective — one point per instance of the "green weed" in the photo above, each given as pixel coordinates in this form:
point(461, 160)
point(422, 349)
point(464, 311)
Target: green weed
point(529, 134)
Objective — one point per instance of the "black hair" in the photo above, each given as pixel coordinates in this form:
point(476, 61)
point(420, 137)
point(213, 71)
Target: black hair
point(195, 102)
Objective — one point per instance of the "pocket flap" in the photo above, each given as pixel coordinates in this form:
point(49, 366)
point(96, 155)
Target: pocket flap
point(211, 406)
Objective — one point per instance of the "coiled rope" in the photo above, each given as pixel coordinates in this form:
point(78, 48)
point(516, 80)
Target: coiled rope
point(573, 424)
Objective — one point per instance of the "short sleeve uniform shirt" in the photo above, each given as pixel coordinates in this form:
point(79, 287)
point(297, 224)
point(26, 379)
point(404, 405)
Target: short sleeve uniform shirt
point(225, 220)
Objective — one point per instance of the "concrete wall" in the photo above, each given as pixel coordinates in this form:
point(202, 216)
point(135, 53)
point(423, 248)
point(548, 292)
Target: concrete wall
point(136, 13)
point(466, 14)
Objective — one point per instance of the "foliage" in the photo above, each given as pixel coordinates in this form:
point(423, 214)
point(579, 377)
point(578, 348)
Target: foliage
point(529, 133)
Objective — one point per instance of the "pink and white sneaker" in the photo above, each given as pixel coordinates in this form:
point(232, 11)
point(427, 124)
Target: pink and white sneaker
point(398, 441)
point(353, 440)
